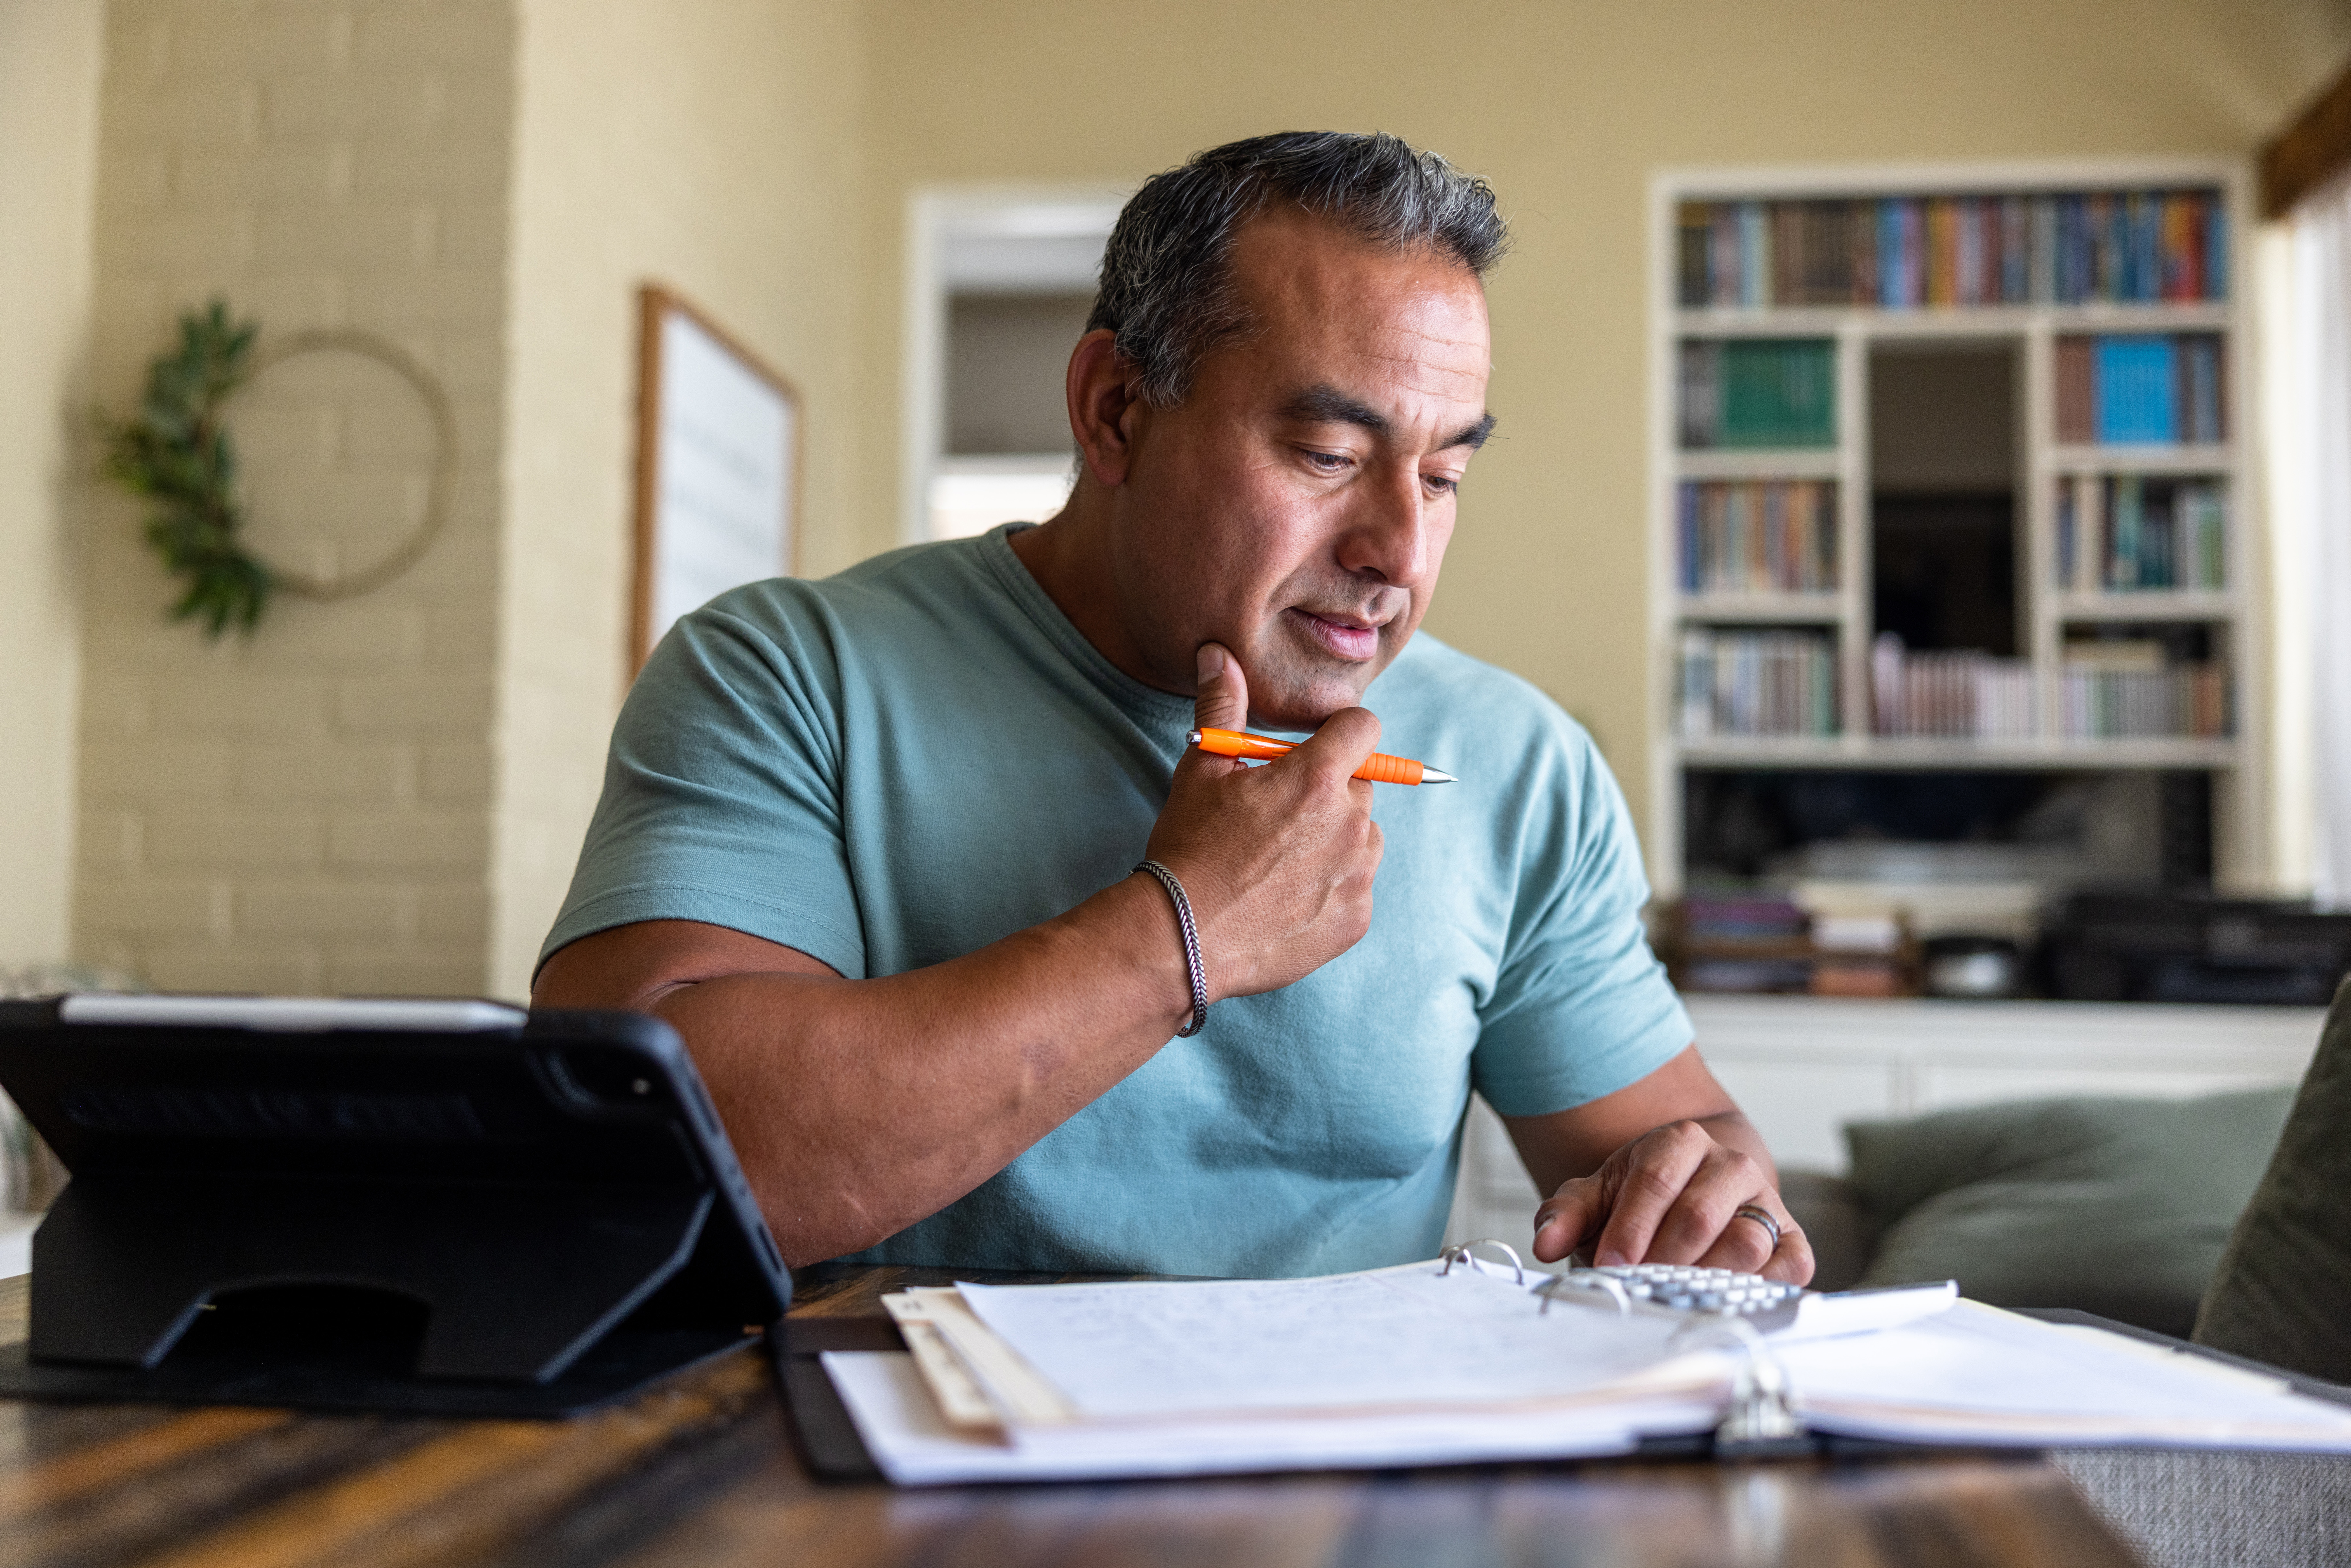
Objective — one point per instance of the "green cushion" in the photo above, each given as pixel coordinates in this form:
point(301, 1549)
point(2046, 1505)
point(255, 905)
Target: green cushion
point(2282, 1292)
point(2115, 1207)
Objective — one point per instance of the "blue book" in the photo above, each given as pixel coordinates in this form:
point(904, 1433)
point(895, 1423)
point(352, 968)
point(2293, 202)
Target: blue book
point(1889, 252)
point(2137, 389)
point(2123, 566)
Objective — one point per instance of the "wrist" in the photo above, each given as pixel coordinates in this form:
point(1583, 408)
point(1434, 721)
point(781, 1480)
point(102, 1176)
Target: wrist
point(1188, 933)
point(1130, 930)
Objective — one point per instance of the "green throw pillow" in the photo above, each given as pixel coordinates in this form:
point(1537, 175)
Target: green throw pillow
point(2283, 1292)
point(2114, 1207)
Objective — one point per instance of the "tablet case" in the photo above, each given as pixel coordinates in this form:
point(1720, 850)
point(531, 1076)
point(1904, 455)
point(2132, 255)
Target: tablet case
point(446, 1209)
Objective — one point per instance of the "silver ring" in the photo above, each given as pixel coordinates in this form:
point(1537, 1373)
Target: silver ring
point(1761, 1217)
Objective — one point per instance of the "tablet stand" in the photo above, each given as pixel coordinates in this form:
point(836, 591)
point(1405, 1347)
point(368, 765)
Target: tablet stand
point(197, 1290)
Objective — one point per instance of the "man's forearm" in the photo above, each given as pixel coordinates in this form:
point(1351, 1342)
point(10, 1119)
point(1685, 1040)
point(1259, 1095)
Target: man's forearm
point(858, 1107)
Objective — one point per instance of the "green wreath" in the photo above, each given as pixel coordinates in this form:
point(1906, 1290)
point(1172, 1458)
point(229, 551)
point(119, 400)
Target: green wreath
point(177, 449)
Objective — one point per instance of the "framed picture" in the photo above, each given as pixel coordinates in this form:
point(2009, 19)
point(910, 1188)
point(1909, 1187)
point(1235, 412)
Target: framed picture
point(718, 460)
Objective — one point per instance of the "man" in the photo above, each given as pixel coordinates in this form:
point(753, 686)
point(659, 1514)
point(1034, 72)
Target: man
point(871, 844)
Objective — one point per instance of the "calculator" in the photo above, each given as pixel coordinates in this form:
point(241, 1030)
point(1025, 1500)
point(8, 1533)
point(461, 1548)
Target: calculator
point(1767, 1306)
point(1687, 1288)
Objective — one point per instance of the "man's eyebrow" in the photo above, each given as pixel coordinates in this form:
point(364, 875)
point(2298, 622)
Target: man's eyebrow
point(1326, 405)
point(1471, 436)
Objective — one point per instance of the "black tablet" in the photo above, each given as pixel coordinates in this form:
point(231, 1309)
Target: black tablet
point(452, 1206)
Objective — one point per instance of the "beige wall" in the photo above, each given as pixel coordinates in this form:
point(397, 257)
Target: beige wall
point(308, 810)
point(1567, 107)
point(49, 55)
point(711, 147)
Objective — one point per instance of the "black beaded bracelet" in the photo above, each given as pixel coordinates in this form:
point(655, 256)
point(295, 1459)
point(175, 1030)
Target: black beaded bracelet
point(1191, 947)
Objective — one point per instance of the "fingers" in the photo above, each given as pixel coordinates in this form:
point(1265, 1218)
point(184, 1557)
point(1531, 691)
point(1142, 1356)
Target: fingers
point(1570, 1215)
point(1748, 1246)
point(1222, 700)
point(1652, 1172)
point(1339, 748)
point(1677, 1194)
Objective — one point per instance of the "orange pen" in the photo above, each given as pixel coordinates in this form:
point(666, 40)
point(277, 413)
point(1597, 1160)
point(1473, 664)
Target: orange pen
point(1379, 767)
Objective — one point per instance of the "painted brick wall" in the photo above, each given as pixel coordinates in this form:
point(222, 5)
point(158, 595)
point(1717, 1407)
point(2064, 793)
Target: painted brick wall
point(308, 810)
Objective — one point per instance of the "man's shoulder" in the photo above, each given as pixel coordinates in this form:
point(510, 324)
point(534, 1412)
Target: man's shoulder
point(911, 574)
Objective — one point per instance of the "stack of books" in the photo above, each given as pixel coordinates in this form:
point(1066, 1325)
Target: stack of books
point(1757, 536)
point(1901, 253)
point(1963, 695)
point(2125, 534)
point(1757, 683)
point(1759, 942)
point(1741, 942)
point(1758, 392)
point(2123, 690)
point(2140, 389)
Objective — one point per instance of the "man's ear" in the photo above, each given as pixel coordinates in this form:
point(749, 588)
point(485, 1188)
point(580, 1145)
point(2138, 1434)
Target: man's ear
point(1105, 407)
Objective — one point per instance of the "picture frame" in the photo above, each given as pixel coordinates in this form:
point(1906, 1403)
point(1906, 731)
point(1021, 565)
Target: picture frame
point(719, 444)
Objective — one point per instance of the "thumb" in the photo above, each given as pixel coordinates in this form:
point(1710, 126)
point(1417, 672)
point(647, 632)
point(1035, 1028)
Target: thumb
point(1574, 1213)
point(1222, 694)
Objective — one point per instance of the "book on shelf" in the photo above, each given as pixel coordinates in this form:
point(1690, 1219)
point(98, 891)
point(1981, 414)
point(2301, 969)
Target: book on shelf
point(1758, 392)
point(1771, 683)
point(2107, 689)
point(1963, 693)
point(1899, 253)
point(2128, 533)
point(1757, 536)
point(2123, 689)
point(2140, 389)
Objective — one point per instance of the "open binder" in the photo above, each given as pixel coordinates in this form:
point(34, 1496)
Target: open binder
point(1094, 1382)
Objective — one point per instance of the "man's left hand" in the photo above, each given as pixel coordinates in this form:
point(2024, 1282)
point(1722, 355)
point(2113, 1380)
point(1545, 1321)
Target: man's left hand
point(1673, 1195)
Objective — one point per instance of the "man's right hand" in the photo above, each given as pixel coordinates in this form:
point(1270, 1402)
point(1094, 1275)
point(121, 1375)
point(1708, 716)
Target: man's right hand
point(1278, 860)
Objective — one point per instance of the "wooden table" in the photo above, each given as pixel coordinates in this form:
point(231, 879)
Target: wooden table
point(701, 1472)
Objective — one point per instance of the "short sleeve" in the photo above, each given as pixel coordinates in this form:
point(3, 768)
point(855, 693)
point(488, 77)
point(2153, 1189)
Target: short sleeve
point(1580, 1007)
point(722, 792)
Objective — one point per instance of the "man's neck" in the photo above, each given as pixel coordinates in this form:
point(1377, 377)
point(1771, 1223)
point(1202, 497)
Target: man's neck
point(1069, 554)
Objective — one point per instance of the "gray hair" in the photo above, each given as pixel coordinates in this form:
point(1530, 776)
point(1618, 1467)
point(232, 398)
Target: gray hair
point(1167, 275)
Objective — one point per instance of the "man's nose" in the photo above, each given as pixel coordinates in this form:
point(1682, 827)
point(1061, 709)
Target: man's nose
point(1388, 536)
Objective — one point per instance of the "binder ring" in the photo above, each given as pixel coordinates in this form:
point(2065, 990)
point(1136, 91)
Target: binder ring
point(1586, 1280)
point(1459, 1253)
point(1760, 1418)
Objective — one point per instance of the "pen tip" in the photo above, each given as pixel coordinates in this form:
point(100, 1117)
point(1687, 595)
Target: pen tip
point(1431, 776)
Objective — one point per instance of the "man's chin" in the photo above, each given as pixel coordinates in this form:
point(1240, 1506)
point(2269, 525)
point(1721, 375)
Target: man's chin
point(1304, 700)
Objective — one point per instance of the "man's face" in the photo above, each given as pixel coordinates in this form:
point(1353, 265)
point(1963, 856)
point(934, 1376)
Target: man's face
point(1296, 506)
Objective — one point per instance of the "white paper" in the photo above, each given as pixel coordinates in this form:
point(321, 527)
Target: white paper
point(1391, 1339)
point(1980, 1375)
point(903, 1431)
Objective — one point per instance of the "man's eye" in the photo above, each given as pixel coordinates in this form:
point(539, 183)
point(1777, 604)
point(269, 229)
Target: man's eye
point(1441, 484)
point(1328, 462)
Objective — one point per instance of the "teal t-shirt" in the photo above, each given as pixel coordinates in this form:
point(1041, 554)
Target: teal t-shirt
point(896, 766)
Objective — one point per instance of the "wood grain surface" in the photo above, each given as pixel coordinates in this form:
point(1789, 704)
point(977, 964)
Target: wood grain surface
point(701, 1472)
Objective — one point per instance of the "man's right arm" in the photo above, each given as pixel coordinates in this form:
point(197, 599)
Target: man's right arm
point(859, 1107)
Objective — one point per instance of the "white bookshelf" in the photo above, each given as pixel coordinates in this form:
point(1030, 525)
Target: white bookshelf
point(2044, 610)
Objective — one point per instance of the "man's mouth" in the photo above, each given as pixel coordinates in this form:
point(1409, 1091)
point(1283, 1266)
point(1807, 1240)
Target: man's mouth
point(1347, 636)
